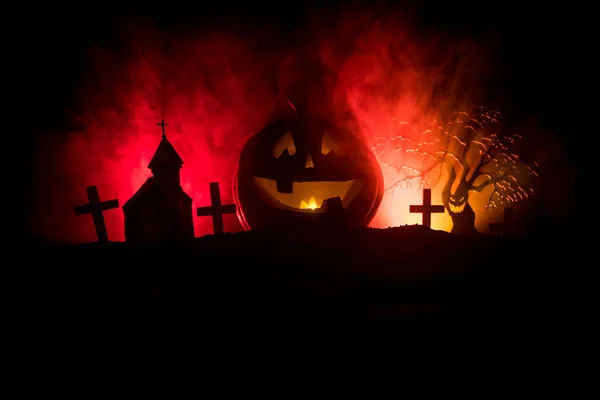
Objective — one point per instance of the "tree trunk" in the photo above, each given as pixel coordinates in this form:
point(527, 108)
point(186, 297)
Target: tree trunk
point(464, 222)
point(457, 205)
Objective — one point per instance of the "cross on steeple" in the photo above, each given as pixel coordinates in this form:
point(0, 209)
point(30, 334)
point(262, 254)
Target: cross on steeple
point(162, 124)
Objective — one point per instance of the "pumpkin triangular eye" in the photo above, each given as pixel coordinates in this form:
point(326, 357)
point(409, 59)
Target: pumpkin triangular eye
point(309, 162)
point(286, 142)
point(327, 145)
point(285, 154)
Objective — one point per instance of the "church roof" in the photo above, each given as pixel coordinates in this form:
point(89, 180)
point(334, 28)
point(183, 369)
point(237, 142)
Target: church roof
point(150, 189)
point(165, 156)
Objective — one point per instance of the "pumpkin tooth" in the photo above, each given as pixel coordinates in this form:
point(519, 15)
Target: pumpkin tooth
point(334, 204)
point(285, 186)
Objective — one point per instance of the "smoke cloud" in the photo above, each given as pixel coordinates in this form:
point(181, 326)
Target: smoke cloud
point(215, 88)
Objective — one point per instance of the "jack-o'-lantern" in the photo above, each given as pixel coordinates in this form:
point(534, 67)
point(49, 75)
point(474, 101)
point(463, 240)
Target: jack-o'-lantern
point(306, 172)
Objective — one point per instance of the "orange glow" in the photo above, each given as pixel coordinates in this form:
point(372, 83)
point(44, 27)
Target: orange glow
point(311, 205)
point(393, 88)
point(394, 209)
point(217, 90)
point(310, 195)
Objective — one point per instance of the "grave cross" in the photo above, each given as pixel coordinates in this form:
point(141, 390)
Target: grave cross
point(216, 209)
point(427, 208)
point(503, 228)
point(162, 124)
point(95, 207)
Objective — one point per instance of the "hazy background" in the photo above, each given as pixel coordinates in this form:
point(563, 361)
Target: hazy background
point(92, 83)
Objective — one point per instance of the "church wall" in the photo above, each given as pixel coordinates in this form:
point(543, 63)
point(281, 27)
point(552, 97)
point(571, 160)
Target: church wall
point(160, 218)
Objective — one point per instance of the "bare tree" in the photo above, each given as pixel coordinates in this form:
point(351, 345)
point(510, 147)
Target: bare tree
point(474, 153)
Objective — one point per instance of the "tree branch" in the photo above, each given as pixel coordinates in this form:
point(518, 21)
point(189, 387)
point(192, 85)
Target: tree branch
point(490, 181)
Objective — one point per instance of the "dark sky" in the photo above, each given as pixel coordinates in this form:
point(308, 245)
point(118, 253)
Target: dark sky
point(542, 49)
point(545, 52)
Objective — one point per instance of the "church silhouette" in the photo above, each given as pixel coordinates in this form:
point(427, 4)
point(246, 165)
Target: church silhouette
point(160, 210)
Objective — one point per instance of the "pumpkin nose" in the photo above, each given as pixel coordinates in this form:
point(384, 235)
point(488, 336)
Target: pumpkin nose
point(309, 162)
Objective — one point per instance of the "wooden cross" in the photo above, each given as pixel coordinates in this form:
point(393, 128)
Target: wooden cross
point(216, 209)
point(95, 207)
point(427, 208)
point(502, 227)
point(162, 124)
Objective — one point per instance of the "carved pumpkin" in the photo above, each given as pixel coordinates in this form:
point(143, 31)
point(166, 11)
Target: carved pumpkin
point(306, 172)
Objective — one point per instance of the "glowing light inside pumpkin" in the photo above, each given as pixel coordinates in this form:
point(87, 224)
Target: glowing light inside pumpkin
point(311, 205)
point(308, 196)
point(309, 162)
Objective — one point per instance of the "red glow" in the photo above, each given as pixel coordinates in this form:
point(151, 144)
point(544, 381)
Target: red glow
point(215, 91)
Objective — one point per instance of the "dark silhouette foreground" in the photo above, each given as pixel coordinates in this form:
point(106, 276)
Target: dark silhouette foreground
point(407, 277)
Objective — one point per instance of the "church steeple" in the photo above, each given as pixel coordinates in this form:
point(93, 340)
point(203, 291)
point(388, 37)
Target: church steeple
point(166, 163)
point(160, 209)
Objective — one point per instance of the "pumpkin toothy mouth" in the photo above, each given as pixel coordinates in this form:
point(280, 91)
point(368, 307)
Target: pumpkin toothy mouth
point(310, 197)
